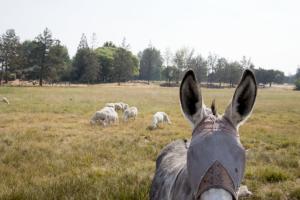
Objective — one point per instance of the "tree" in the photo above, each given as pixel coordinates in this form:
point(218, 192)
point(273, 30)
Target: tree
point(85, 67)
point(246, 62)
point(297, 76)
point(59, 63)
point(168, 57)
point(124, 65)
point(233, 73)
point(56, 62)
point(183, 58)
point(297, 79)
point(279, 77)
point(109, 44)
point(199, 65)
point(170, 73)
point(9, 53)
point(30, 59)
point(45, 42)
point(220, 69)
point(150, 64)
point(83, 44)
point(269, 76)
point(105, 56)
point(124, 44)
point(211, 64)
point(93, 41)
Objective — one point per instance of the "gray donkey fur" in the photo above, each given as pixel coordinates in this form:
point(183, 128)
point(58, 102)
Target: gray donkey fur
point(171, 180)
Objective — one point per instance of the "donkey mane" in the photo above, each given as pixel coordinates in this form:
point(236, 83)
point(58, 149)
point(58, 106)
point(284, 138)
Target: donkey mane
point(213, 108)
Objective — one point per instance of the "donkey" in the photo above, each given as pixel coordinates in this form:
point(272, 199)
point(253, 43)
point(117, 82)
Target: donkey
point(211, 165)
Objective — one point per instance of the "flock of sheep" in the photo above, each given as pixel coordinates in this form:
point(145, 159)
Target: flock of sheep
point(109, 115)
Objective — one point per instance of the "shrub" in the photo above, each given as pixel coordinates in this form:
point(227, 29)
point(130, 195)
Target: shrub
point(297, 84)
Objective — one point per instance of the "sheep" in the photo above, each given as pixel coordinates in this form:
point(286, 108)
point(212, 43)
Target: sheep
point(130, 113)
point(124, 106)
point(5, 100)
point(159, 117)
point(105, 116)
point(110, 105)
point(118, 106)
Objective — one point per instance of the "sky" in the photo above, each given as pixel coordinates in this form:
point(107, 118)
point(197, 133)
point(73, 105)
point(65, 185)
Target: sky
point(267, 31)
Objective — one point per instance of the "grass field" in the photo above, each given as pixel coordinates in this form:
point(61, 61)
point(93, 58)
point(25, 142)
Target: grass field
point(48, 150)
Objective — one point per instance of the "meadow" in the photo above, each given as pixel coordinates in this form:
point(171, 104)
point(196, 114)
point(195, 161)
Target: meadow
point(48, 149)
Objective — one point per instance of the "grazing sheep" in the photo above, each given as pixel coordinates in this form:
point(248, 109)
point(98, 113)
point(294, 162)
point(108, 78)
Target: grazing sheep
point(124, 106)
point(118, 106)
point(130, 113)
point(110, 105)
point(160, 117)
point(105, 116)
point(5, 100)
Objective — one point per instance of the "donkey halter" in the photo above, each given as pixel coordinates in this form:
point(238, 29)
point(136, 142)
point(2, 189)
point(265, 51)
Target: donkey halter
point(217, 176)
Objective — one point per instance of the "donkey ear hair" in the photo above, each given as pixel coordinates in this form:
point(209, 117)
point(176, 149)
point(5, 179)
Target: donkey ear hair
point(243, 99)
point(190, 97)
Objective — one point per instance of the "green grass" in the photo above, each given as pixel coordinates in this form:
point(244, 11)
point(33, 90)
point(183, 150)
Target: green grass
point(48, 150)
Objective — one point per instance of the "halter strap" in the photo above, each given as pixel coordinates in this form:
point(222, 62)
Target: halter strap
point(210, 124)
point(216, 177)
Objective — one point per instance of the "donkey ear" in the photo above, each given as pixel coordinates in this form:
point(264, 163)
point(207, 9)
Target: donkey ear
point(191, 98)
point(243, 99)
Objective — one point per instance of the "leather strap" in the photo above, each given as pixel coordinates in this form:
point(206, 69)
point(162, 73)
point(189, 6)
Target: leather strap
point(216, 177)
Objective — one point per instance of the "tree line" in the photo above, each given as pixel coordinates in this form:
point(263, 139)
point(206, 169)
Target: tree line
point(45, 59)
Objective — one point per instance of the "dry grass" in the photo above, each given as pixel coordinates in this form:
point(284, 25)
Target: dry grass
point(48, 150)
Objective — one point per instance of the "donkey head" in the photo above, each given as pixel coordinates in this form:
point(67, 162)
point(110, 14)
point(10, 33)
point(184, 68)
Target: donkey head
point(216, 158)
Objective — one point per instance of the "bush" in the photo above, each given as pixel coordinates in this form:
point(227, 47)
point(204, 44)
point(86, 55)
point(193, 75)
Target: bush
point(297, 84)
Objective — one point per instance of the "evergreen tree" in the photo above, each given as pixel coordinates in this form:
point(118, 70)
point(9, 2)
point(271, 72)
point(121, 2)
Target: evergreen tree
point(83, 44)
point(9, 53)
point(45, 42)
point(85, 66)
point(150, 64)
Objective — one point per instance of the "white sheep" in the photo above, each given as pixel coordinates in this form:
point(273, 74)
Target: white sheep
point(123, 106)
point(5, 100)
point(112, 105)
point(160, 117)
point(130, 113)
point(105, 116)
point(118, 106)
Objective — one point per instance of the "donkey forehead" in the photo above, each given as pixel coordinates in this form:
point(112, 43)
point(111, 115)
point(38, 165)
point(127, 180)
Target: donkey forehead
point(215, 139)
point(211, 123)
point(205, 150)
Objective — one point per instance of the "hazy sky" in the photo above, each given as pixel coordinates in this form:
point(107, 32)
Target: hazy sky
point(268, 31)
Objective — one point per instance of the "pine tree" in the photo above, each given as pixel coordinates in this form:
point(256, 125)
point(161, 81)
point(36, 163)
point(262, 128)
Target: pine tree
point(83, 44)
